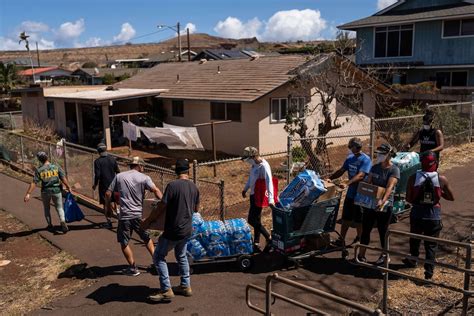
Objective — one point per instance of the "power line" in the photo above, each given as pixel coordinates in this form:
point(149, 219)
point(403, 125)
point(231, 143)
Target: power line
point(141, 36)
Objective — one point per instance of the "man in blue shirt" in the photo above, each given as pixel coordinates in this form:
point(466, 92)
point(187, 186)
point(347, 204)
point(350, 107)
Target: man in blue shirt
point(357, 165)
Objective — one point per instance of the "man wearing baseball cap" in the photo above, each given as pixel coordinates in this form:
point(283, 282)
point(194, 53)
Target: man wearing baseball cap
point(50, 176)
point(132, 185)
point(105, 169)
point(424, 191)
point(260, 169)
point(357, 165)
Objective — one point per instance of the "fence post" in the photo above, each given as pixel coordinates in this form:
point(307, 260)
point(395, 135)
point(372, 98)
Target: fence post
point(12, 123)
point(289, 159)
point(92, 175)
point(22, 152)
point(372, 137)
point(65, 158)
point(222, 199)
point(471, 118)
point(195, 171)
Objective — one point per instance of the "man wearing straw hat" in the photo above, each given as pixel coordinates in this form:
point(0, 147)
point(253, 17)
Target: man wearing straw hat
point(132, 185)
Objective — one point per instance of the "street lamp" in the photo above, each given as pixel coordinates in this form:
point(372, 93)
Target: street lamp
point(177, 30)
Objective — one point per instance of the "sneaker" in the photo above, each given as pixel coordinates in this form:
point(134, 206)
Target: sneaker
point(381, 260)
point(50, 228)
point(107, 225)
point(183, 290)
point(409, 263)
point(64, 227)
point(131, 271)
point(362, 259)
point(162, 296)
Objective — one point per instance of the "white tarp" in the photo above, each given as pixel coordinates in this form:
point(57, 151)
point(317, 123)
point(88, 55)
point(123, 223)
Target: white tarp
point(188, 134)
point(175, 137)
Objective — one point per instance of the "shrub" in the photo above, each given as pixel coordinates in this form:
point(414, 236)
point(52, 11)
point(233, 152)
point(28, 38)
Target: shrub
point(298, 154)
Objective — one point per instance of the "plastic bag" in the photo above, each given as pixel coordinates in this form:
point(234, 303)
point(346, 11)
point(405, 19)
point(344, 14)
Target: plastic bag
point(72, 212)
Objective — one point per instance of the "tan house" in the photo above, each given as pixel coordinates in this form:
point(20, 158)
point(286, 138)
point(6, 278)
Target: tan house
point(254, 94)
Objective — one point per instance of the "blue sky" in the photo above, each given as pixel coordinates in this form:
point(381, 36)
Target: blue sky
point(67, 23)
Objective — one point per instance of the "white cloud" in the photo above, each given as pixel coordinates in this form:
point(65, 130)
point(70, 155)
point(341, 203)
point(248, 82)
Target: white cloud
point(382, 4)
point(234, 28)
point(10, 44)
point(126, 33)
point(45, 44)
point(288, 25)
point(294, 25)
point(192, 28)
point(69, 31)
point(33, 26)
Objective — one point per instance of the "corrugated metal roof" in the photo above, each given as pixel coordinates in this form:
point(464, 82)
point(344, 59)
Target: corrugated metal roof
point(103, 71)
point(29, 72)
point(232, 79)
point(409, 16)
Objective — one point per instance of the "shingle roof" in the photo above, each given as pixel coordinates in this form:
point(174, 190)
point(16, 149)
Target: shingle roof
point(433, 13)
point(226, 80)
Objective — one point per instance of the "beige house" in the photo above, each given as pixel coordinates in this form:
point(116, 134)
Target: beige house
point(254, 94)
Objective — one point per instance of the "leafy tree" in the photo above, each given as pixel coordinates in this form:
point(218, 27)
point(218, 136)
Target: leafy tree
point(8, 74)
point(109, 79)
point(89, 64)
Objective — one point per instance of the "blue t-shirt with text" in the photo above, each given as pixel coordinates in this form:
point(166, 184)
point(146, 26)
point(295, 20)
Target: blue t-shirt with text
point(353, 165)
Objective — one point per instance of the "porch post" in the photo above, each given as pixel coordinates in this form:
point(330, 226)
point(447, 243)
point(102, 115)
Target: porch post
point(79, 123)
point(106, 125)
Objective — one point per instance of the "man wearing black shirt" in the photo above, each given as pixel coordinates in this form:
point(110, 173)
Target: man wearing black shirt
point(181, 200)
point(430, 138)
point(105, 169)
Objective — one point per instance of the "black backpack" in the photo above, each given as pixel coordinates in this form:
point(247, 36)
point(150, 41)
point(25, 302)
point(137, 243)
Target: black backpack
point(426, 194)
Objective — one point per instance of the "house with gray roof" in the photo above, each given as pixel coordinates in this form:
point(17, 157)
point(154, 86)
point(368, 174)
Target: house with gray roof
point(414, 41)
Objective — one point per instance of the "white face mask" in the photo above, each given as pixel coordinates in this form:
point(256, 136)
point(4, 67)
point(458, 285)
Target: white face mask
point(426, 127)
point(380, 158)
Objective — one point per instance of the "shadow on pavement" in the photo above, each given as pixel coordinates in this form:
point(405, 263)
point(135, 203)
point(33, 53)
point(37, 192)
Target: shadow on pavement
point(4, 236)
point(121, 293)
point(81, 271)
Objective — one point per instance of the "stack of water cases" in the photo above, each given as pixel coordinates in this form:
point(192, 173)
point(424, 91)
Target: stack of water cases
point(239, 236)
point(219, 239)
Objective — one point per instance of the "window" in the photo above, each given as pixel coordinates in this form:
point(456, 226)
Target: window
point(297, 105)
point(279, 109)
point(50, 109)
point(455, 28)
point(177, 108)
point(226, 111)
point(393, 41)
point(451, 79)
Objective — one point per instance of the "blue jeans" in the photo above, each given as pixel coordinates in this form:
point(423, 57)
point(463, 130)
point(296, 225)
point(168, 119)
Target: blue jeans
point(159, 259)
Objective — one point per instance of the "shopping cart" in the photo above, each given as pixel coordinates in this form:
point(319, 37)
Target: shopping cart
point(302, 233)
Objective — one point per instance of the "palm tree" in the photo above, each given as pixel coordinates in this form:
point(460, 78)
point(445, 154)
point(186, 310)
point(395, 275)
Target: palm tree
point(24, 38)
point(7, 77)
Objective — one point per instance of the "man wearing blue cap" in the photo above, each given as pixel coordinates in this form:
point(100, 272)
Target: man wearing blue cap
point(50, 176)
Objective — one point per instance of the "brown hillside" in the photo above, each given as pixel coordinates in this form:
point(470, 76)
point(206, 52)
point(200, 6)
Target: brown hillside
point(66, 57)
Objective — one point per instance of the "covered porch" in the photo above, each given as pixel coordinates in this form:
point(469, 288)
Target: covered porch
point(92, 116)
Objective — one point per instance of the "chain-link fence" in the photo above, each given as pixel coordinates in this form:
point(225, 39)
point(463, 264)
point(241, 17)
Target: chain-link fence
point(11, 120)
point(453, 119)
point(78, 163)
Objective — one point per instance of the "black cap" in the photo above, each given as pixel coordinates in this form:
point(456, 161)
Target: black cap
point(182, 165)
point(428, 117)
point(383, 149)
point(355, 142)
point(101, 147)
point(42, 156)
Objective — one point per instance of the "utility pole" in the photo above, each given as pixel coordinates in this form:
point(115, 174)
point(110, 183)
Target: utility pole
point(189, 45)
point(179, 40)
point(38, 55)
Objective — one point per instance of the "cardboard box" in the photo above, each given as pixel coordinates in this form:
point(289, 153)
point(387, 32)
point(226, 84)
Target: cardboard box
point(368, 195)
point(330, 193)
point(148, 206)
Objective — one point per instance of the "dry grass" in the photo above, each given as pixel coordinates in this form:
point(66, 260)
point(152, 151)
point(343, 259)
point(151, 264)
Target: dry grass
point(408, 298)
point(456, 156)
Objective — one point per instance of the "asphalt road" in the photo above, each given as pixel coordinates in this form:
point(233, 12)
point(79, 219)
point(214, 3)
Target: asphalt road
point(218, 288)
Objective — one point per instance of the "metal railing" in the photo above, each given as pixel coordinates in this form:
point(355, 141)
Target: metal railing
point(270, 297)
point(467, 270)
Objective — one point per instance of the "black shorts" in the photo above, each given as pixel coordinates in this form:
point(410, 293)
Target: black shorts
point(127, 227)
point(351, 212)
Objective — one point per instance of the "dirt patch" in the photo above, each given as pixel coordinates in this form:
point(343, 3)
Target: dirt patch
point(456, 156)
point(30, 281)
